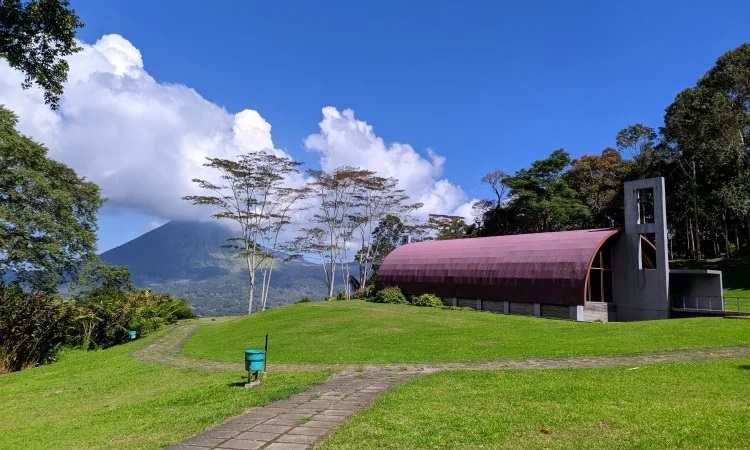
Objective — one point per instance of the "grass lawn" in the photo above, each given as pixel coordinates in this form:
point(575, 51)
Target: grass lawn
point(680, 405)
point(355, 331)
point(106, 399)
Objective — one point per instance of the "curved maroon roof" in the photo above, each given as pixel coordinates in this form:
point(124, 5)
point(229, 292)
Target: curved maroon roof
point(550, 268)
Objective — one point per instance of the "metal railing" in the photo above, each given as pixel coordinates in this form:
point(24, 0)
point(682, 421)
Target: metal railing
point(711, 304)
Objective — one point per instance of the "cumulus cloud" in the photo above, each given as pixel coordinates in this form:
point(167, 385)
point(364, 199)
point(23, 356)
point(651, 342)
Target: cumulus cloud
point(344, 140)
point(142, 141)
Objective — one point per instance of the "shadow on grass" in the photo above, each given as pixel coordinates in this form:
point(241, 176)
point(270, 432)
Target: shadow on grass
point(237, 384)
point(744, 367)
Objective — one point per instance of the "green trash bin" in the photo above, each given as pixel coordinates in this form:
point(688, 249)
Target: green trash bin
point(254, 360)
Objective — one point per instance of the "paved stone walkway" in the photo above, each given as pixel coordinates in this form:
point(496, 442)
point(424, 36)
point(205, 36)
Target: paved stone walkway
point(303, 420)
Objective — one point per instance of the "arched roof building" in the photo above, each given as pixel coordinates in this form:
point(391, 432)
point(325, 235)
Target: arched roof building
point(601, 274)
point(548, 268)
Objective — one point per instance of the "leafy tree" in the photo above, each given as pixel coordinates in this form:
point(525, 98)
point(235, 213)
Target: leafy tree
point(598, 181)
point(47, 212)
point(35, 38)
point(253, 194)
point(386, 236)
point(447, 227)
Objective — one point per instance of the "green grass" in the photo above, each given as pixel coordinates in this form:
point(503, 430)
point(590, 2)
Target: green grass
point(680, 405)
point(107, 399)
point(355, 331)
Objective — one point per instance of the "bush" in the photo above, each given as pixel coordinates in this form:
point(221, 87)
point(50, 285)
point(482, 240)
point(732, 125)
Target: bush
point(429, 300)
point(390, 295)
point(106, 317)
point(304, 300)
point(341, 296)
point(33, 328)
point(366, 294)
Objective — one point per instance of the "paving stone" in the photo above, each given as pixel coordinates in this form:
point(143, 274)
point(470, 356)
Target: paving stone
point(270, 428)
point(247, 420)
point(298, 439)
point(287, 446)
point(263, 413)
point(327, 418)
point(202, 441)
point(242, 444)
point(282, 422)
point(337, 412)
point(222, 434)
point(257, 436)
point(308, 431)
point(186, 447)
point(319, 424)
point(292, 416)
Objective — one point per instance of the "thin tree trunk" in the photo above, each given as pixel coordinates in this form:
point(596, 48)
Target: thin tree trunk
point(726, 236)
point(736, 238)
point(251, 290)
point(268, 285)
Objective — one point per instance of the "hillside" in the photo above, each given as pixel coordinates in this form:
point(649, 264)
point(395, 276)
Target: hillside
point(186, 259)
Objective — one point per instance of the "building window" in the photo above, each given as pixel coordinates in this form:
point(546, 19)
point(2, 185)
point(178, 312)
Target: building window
point(600, 276)
point(645, 199)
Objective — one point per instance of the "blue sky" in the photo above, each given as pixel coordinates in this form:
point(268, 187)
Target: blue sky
point(486, 85)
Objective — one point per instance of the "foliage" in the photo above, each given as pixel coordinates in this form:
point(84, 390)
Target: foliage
point(390, 294)
point(47, 212)
point(430, 300)
point(106, 316)
point(304, 300)
point(253, 194)
point(351, 203)
point(539, 199)
point(376, 333)
point(108, 399)
point(677, 405)
point(702, 151)
point(35, 38)
point(447, 226)
point(33, 328)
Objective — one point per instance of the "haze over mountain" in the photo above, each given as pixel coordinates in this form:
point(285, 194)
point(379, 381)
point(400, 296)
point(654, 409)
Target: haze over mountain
point(186, 259)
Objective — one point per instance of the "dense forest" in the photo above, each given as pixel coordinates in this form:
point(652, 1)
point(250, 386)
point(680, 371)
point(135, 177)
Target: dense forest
point(701, 150)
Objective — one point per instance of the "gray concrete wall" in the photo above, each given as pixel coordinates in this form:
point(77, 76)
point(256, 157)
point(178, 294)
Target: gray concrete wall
point(642, 294)
point(696, 289)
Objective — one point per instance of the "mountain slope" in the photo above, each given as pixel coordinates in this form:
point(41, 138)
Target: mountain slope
point(186, 259)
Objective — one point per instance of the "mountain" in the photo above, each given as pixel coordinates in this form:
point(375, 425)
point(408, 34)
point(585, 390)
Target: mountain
point(186, 259)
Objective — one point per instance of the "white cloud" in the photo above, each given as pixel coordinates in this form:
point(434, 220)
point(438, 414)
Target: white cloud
point(154, 224)
point(142, 141)
point(344, 140)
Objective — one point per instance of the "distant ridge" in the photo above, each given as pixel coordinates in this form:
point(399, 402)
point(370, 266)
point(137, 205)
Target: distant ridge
point(186, 259)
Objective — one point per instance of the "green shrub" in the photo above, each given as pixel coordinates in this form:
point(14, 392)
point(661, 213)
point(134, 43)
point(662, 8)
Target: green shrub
point(341, 296)
point(429, 300)
point(105, 317)
point(365, 294)
point(33, 327)
point(304, 300)
point(390, 295)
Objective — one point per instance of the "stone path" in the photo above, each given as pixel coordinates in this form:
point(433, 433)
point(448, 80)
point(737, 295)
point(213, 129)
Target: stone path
point(303, 420)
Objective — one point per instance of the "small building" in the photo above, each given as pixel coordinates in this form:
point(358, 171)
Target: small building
point(587, 275)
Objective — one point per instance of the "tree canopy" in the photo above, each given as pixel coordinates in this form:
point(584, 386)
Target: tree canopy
point(47, 212)
point(701, 150)
point(35, 38)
